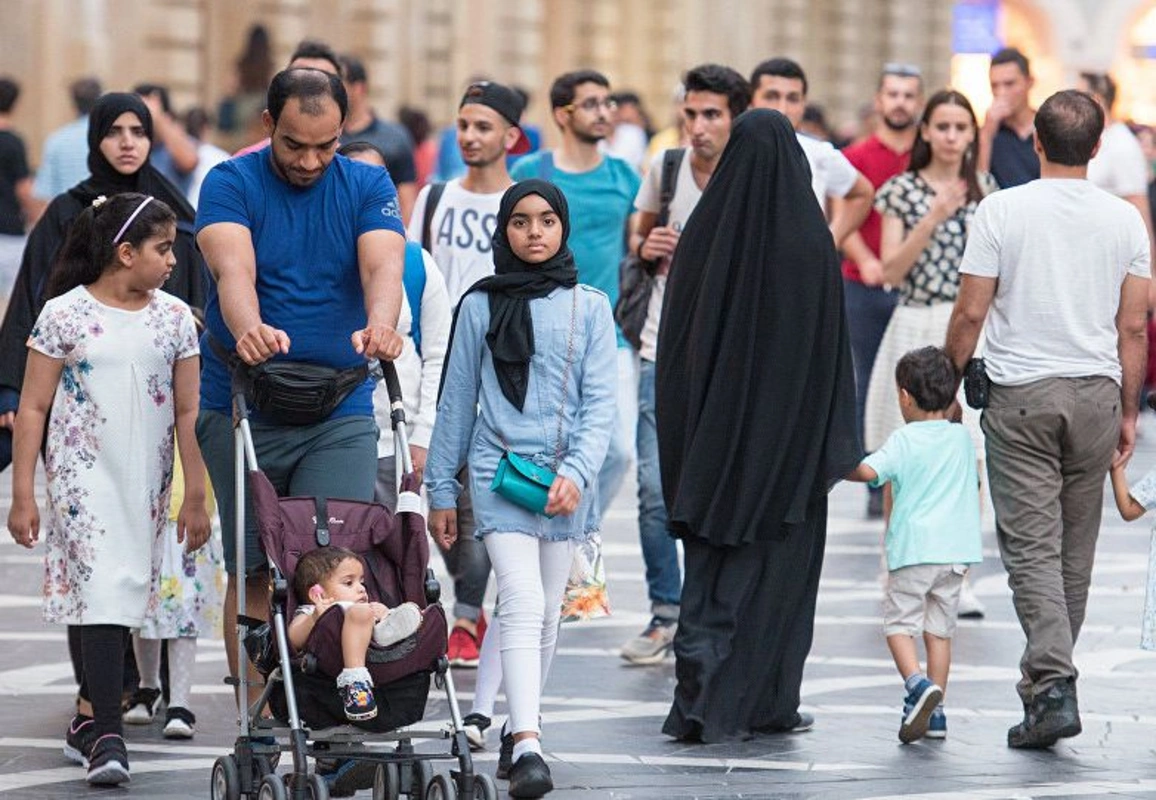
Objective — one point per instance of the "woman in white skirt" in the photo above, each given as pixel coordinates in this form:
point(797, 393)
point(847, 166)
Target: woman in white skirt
point(926, 213)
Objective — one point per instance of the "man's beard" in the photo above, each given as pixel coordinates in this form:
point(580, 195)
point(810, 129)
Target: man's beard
point(897, 126)
point(587, 138)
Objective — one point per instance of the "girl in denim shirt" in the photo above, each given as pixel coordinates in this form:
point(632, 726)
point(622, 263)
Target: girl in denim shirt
point(531, 370)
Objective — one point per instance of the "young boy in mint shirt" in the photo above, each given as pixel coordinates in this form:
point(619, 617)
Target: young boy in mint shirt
point(933, 533)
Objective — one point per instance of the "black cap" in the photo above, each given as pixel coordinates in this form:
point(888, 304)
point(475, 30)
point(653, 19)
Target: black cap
point(505, 101)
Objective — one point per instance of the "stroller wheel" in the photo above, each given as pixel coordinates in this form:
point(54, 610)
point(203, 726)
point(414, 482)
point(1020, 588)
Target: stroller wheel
point(421, 775)
point(485, 788)
point(387, 782)
point(226, 781)
point(441, 788)
point(272, 788)
point(318, 788)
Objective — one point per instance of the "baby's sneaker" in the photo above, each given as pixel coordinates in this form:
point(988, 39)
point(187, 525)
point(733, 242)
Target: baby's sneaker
point(356, 689)
point(937, 725)
point(400, 623)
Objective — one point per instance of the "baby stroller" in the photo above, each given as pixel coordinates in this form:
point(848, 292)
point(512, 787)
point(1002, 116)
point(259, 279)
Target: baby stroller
point(308, 718)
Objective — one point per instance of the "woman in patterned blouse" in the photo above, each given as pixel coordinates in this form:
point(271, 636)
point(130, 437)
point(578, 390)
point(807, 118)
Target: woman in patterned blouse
point(926, 213)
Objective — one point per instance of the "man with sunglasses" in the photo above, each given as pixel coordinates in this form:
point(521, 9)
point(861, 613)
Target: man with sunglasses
point(600, 190)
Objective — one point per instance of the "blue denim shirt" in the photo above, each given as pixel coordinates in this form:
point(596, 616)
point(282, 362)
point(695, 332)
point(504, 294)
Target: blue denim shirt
point(474, 418)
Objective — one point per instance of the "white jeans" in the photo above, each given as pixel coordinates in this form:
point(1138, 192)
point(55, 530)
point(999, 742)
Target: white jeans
point(531, 575)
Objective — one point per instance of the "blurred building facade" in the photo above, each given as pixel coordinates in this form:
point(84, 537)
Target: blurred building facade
point(423, 52)
point(1065, 37)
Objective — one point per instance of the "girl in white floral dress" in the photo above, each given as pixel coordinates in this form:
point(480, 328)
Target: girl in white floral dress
point(1133, 502)
point(112, 371)
point(184, 603)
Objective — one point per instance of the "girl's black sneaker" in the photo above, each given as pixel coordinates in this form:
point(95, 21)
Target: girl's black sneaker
point(78, 741)
point(108, 761)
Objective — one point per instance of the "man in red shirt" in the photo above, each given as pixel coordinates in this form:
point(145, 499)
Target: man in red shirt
point(880, 156)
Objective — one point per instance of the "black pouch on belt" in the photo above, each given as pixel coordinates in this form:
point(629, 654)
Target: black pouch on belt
point(976, 384)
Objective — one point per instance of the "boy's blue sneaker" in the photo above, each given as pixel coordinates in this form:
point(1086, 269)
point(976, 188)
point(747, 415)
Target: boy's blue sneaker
point(918, 707)
point(937, 725)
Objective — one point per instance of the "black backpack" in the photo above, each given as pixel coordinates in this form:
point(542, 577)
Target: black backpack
point(635, 274)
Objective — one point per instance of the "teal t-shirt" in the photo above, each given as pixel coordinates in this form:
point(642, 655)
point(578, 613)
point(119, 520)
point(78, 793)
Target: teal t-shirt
point(601, 201)
point(935, 490)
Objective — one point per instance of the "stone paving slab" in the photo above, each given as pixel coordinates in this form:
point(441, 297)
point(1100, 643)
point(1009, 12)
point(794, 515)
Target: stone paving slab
point(602, 717)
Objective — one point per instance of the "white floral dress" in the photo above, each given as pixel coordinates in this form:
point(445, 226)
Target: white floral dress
point(1144, 493)
point(185, 590)
point(109, 457)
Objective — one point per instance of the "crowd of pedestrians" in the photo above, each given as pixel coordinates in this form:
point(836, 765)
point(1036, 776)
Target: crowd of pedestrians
point(802, 314)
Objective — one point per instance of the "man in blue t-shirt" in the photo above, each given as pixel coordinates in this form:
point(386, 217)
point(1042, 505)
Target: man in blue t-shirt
point(305, 251)
point(600, 190)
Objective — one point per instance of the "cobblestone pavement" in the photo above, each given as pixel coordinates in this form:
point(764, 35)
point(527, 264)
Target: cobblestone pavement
point(602, 717)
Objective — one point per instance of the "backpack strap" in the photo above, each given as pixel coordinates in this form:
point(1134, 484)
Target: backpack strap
point(546, 165)
point(414, 279)
point(436, 190)
point(671, 163)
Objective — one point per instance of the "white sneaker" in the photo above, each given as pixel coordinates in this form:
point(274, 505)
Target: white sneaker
point(400, 623)
point(180, 723)
point(474, 726)
point(143, 706)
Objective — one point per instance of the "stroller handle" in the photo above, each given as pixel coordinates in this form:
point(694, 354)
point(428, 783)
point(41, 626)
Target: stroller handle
point(397, 415)
point(392, 386)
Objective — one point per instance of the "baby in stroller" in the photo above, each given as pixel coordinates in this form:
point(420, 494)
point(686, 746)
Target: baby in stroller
point(330, 576)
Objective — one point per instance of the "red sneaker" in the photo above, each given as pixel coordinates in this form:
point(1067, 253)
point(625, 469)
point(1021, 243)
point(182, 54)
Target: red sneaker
point(464, 647)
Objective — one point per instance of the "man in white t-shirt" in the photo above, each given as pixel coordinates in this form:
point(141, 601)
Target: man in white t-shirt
point(461, 223)
point(714, 96)
point(455, 223)
point(843, 193)
point(1059, 268)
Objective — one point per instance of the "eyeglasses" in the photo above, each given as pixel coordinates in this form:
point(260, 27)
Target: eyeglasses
point(902, 70)
point(592, 104)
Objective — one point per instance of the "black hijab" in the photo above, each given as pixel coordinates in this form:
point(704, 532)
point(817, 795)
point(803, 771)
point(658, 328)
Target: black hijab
point(755, 395)
point(44, 242)
point(514, 283)
point(103, 177)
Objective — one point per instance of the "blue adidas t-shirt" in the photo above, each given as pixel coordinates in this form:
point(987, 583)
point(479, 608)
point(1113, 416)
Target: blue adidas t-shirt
point(305, 241)
point(600, 201)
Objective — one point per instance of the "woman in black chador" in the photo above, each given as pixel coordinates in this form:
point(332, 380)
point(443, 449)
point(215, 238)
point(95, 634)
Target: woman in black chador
point(756, 421)
point(114, 166)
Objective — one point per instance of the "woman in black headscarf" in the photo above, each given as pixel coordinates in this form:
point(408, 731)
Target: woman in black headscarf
point(755, 402)
point(529, 382)
point(120, 134)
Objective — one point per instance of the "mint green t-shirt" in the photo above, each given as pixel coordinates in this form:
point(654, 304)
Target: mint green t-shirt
point(935, 490)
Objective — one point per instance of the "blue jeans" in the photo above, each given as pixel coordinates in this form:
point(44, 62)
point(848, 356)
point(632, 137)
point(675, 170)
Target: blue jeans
point(659, 551)
point(868, 312)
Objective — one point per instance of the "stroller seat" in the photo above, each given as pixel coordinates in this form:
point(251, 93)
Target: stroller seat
point(395, 550)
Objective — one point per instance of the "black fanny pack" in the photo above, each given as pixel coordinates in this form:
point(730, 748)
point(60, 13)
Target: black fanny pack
point(293, 392)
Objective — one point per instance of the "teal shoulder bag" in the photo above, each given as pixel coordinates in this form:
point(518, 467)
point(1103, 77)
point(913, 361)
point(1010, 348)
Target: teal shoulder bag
point(517, 478)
